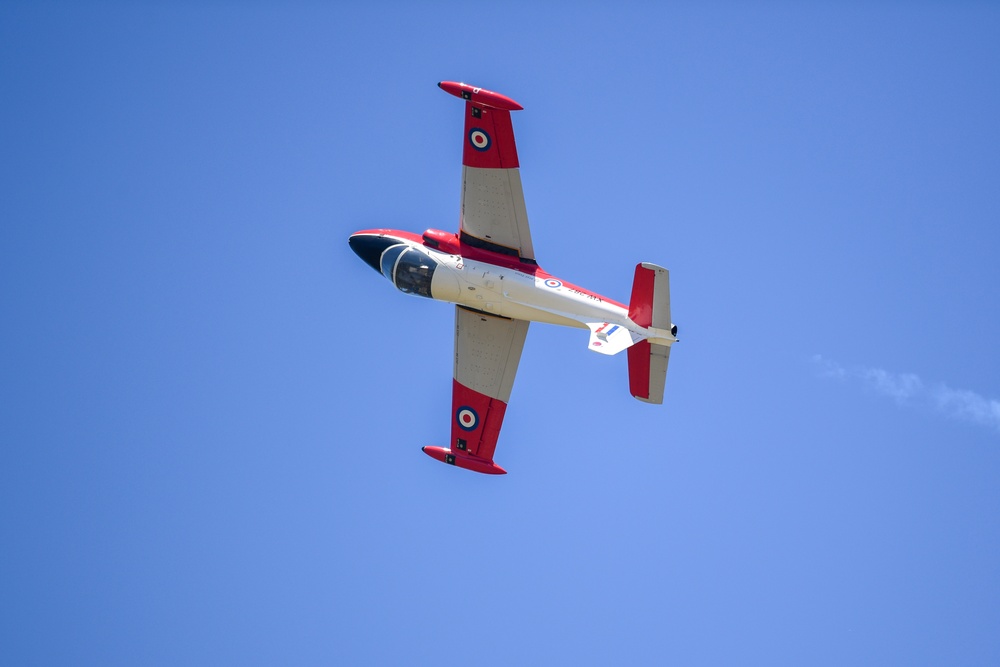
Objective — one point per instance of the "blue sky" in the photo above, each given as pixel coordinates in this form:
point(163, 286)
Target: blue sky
point(212, 411)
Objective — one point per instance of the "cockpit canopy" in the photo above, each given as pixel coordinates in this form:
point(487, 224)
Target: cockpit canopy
point(409, 269)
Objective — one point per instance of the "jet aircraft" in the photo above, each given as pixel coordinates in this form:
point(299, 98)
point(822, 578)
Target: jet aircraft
point(489, 271)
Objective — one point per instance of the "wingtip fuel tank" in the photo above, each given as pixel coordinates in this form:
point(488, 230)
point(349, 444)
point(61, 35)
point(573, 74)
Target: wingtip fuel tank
point(481, 96)
point(473, 463)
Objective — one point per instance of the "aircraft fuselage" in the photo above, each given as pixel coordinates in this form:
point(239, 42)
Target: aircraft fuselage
point(439, 266)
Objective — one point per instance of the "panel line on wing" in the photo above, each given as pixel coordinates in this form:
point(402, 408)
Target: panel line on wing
point(481, 312)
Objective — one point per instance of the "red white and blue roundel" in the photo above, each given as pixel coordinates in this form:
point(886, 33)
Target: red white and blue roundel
point(467, 418)
point(479, 139)
point(552, 282)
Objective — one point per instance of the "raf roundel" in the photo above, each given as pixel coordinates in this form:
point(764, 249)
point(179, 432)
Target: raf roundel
point(552, 282)
point(479, 139)
point(467, 418)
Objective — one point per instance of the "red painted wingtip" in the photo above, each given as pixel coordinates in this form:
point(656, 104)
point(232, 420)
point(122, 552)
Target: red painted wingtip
point(472, 463)
point(481, 96)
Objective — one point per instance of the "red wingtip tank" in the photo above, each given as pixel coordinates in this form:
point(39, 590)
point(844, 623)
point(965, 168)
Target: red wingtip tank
point(480, 96)
point(473, 463)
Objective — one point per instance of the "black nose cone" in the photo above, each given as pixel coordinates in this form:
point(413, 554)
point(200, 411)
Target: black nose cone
point(370, 247)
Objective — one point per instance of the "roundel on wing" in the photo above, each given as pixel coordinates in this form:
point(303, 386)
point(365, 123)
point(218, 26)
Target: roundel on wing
point(552, 282)
point(467, 418)
point(479, 139)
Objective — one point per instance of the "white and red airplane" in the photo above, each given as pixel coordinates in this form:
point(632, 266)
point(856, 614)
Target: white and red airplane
point(488, 270)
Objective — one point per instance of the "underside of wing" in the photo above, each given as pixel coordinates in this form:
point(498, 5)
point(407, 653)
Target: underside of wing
point(493, 214)
point(487, 352)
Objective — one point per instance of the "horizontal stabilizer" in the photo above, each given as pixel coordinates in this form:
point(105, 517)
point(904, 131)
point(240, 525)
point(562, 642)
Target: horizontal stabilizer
point(647, 371)
point(607, 338)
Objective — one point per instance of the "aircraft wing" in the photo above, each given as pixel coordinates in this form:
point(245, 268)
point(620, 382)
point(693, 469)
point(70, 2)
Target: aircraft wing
point(487, 351)
point(493, 213)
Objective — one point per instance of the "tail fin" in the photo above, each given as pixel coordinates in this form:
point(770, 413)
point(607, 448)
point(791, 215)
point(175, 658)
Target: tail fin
point(649, 308)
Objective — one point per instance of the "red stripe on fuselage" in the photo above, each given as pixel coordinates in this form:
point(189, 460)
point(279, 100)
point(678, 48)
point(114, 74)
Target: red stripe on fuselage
point(401, 235)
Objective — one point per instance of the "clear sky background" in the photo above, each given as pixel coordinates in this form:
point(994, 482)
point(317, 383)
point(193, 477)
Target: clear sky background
point(212, 411)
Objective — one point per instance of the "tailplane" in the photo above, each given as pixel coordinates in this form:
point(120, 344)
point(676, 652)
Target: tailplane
point(650, 309)
point(608, 338)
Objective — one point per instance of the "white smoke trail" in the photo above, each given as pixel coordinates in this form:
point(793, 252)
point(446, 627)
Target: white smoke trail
point(908, 389)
